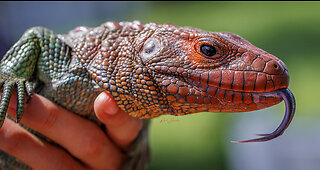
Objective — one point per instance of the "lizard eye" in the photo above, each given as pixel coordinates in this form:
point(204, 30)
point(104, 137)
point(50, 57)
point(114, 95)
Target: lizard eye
point(208, 50)
point(150, 48)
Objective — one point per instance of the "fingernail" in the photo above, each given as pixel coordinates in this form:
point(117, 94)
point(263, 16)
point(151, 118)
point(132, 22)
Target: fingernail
point(112, 107)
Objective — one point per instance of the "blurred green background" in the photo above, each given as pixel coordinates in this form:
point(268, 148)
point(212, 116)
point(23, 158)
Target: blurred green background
point(289, 30)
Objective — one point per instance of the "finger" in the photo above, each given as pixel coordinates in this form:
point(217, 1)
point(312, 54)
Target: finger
point(121, 127)
point(82, 138)
point(36, 153)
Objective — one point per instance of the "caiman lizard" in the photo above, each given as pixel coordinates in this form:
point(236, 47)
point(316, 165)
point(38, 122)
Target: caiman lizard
point(150, 70)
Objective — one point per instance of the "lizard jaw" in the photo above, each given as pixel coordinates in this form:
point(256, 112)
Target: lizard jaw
point(244, 102)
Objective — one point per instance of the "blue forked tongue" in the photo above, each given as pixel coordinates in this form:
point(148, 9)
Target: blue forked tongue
point(290, 102)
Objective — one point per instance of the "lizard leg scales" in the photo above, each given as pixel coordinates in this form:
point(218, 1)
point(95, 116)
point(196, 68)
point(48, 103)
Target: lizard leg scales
point(38, 49)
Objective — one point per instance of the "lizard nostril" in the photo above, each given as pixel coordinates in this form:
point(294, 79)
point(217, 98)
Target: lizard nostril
point(273, 67)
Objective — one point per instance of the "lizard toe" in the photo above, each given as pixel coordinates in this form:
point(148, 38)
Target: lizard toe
point(5, 99)
point(21, 86)
point(20, 99)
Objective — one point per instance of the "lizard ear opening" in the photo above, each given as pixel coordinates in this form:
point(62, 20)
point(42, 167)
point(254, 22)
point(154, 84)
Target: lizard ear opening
point(150, 48)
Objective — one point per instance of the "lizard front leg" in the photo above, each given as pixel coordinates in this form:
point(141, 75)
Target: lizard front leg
point(22, 61)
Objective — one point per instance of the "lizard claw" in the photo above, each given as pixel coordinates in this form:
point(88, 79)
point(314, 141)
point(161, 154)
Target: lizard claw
point(21, 86)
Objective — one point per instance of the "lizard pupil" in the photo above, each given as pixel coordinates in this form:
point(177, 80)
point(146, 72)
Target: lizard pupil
point(208, 50)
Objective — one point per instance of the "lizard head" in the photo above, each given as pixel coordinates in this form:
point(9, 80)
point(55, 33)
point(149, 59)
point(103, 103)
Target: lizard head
point(155, 69)
point(199, 71)
point(212, 71)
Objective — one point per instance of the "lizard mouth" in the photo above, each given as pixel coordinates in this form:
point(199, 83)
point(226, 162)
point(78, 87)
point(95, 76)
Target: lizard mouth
point(242, 97)
point(290, 103)
point(231, 91)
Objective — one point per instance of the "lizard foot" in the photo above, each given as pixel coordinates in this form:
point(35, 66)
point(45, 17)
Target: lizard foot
point(8, 84)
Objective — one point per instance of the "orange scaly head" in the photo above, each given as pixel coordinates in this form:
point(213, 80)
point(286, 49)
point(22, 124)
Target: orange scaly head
point(155, 69)
point(202, 71)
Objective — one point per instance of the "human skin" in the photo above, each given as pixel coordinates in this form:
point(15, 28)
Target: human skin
point(83, 139)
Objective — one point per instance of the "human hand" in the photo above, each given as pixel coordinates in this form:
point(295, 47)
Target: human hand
point(83, 139)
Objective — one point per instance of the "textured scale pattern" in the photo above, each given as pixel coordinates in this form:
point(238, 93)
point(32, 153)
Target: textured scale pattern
point(150, 70)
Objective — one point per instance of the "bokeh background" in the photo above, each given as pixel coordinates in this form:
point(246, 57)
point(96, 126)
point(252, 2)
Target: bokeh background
point(289, 30)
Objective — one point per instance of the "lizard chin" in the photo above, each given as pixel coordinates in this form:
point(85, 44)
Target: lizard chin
point(290, 103)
